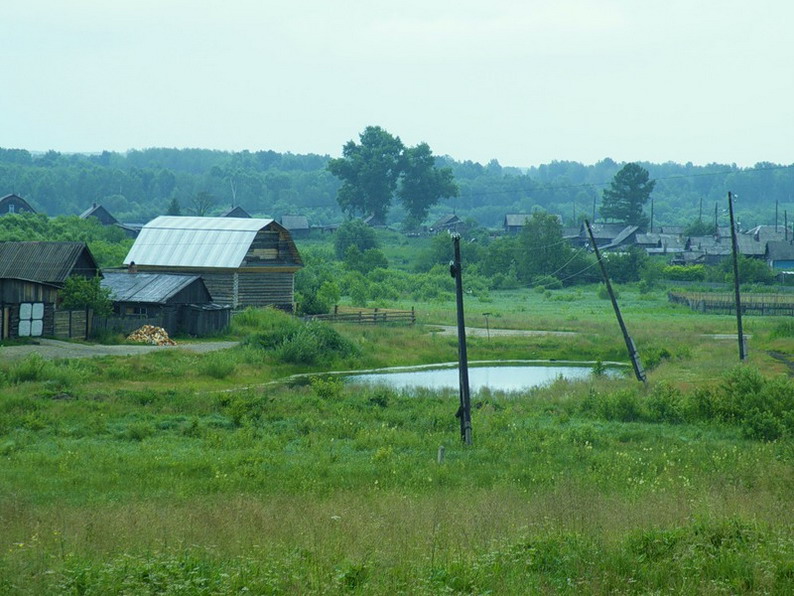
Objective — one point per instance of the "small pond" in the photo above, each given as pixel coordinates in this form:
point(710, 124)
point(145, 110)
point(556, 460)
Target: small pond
point(505, 377)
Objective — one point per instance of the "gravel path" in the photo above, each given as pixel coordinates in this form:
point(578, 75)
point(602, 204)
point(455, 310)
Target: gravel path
point(52, 349)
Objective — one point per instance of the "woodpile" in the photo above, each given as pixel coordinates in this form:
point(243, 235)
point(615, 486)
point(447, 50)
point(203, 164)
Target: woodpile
point(149, 334)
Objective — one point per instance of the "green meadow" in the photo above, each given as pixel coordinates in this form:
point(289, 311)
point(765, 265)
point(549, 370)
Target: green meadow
point(249, 471)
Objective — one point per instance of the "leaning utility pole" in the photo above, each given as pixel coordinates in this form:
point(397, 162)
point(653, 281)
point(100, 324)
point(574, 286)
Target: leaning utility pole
point(464, 411)
point(735, 251)
point(635, 357)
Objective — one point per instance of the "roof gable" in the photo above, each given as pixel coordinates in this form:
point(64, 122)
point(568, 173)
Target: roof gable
point(14, 204)
point(46, 262)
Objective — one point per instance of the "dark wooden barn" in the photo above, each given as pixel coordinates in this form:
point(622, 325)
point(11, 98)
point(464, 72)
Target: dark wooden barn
point(177, 303)
point(31, 276)
point(14, 204)
point(243, 262)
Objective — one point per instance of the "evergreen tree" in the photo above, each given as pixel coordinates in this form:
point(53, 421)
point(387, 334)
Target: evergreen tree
point(629, 190)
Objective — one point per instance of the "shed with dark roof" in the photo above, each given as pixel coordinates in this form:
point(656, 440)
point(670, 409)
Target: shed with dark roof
point(31, 276)
point(177, 303)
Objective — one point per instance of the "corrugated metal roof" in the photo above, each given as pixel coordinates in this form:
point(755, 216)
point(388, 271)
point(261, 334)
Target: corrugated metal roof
point(45, 262)
point(152, 288)
point(173, 241)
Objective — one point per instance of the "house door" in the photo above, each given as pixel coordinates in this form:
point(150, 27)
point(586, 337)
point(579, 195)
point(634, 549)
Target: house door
point(31, 319)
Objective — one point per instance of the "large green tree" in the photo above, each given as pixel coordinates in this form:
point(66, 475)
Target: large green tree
point(369, 171)
point(380, 167)
point(629, 190)
point(541, 249)
point(422, 184)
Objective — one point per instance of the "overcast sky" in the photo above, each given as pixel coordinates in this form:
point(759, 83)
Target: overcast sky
point(521, 81)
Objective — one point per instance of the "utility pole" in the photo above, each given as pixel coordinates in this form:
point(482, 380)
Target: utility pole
point(633, 355)
point(464, 411)
point(735, 251)
point(651, 215)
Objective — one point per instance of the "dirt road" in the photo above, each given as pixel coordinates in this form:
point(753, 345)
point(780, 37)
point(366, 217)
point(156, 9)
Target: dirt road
point(52, 349)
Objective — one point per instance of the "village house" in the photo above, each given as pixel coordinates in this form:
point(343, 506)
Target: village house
point(12, 203)
point(298, 225)
point(31, 276)
point(243, 261)
point(101, 214)
point(513, 222)
point(779, 255)
point(236, 212)
point(448, 223)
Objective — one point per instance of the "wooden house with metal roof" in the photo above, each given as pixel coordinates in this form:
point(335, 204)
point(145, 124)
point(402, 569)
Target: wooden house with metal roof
point(243, 262)
point(178, 303)
point(12, 203)
point(31, 275)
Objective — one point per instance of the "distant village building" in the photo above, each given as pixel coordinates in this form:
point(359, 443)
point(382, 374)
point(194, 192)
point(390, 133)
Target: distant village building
point(31, 277)
point(607, 234)
point(100, 213)
point(448, 223)
point(236, 212)
point(513, 222)
point(243, 261)
point(12, 203)
point(298, 225)
point(780, 255)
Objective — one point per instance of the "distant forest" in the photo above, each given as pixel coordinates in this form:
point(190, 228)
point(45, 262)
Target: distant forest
point(141, 184)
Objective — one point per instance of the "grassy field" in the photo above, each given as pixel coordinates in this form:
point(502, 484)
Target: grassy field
point(178, 473)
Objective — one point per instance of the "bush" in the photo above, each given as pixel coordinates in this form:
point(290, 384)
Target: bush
point(217, 365)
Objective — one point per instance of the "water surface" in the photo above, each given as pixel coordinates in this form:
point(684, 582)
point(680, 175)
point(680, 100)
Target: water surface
point(515, 377)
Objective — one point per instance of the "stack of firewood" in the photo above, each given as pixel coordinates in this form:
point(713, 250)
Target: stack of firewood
point(149, 334)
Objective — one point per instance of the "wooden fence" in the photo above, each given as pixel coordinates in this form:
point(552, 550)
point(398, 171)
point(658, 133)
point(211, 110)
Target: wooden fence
point(367, 316)
point(752, 304)
point(72, 324)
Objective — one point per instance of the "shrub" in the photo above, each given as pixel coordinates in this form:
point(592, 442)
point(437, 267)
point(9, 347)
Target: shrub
point(666, 404)
point(217, 365)
point(326, 387)
point(314, 343)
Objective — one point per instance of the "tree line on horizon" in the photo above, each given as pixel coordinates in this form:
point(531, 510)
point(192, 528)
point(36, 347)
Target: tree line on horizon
point(140, 184)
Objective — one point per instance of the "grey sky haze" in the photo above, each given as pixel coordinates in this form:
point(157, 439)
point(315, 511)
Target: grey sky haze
point(524, 82)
